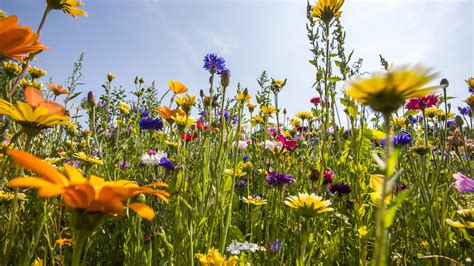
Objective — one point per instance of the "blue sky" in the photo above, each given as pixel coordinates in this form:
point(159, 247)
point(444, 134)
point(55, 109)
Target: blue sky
point(166, 39)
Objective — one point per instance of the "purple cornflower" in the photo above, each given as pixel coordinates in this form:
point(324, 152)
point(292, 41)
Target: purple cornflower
point(124, 164)
point(276, 246)
point(242, 184)
point(166, 163)
point(463, 183)
point(465, 110)
point(275, 179)
point(150, 123)
point(340, 189)
point(214, 63)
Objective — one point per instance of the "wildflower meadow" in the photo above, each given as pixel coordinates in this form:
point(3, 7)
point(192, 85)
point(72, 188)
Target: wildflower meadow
point(377, 172)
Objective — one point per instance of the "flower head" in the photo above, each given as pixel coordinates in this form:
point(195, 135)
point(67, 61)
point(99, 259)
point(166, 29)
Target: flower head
point(36, 72)
point(177, 87)
point(147, 123)
point(463, 183)
point(186, 102)
point(340, 189)
point(466, 111)
point(254, 200)
point(153, 157)
point(275, 179)
point(166, 163)
point(420, 103)
point(88, 158)
point(17, 41)
point(308, 205)
point(214, 258)
point(315, 100)
point(386, 91)
point(470, 83)
point(70, 7)
point(93, 195)
point(36, 114)
point(214, 63)
point(326, 10)
point(57, 90)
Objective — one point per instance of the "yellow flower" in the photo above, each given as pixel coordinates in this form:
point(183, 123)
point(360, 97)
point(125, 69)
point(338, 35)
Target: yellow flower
point(36, 114)
point(308, 205)
point(4, 196)
point(24, 83)
point(470, 82)
point(37, 262)
point(177, 87)
point(362, 231)
point(12, 69)
point(93, 195)
point(304, 115)
point(17, 41)
point(36, 72)
point(433, 111)
point(386, 91)
point(295, 122)
point(110, 76)
point(466, 212)
point(257, 119)
point(326, 10)
point(470, 100)
point(124, 107)
point(376, 183)
point(64, 242)
point(88, 158)
point(243, 98)
point(277, 85)
point(214, 258)
point(183, 120)
point(2, 14)
point(458, 224)
point(186, 102)
point(70, 7)
point(268, 110)
point(172, 144)
point(257, 200)
point(399, 122)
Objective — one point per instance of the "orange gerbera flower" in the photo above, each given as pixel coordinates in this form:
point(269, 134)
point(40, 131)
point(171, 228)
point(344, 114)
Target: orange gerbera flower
point(17, 41)
point(86, 195)
point(57, 90)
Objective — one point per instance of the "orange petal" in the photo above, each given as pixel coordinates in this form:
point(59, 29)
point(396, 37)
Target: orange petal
point(29, 182)
point(143, 210)
point(50, 191)
point(54, 108)
point(38, 166)
point(33, 96)
point(75, 176)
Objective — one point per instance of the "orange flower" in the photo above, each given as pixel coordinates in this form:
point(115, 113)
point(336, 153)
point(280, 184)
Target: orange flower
point(168, 114)
point(57, 90)
point(177, 87)
point(17, 41)
point(88, 195)
point(35, 99)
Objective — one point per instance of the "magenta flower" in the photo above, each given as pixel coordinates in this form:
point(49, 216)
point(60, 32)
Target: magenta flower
point(426, 102)
point(463, 183)
point(315, 100)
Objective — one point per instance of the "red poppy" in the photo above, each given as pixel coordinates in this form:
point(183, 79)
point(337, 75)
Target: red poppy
point(188, 137)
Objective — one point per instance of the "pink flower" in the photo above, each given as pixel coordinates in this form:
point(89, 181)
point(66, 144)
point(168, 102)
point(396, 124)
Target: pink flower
point(463, 183)
point(315, 100)
point(289, 145)
point(427, 102)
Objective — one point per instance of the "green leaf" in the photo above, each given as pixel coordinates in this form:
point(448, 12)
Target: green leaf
point(235, 233)
point(389, 215)
point(334, 79)
point(411, 112)
point(228, 183)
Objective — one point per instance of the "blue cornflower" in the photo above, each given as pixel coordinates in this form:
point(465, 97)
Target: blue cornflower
point(276, 246)
point(150, 123)
point(246, 158)
point(143, 113)
point(451, 123)
point(214, 63)
point(471, 90)
point(242, 184)
point(275, 179)
point(402, 139)
point(235, 120)
point(166, 163)
point(465, 110)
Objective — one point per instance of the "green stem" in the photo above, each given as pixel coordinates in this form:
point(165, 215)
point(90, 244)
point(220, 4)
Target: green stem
point(79, 241)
